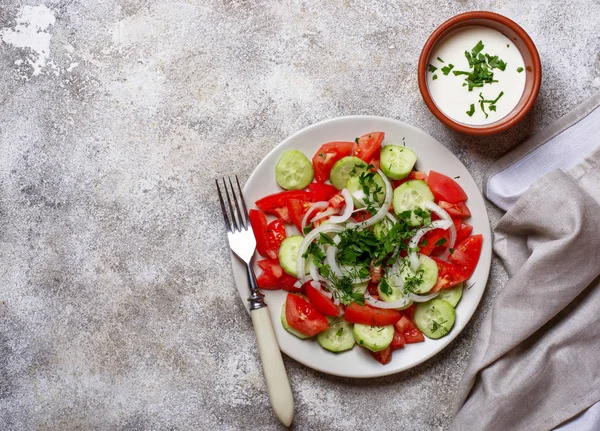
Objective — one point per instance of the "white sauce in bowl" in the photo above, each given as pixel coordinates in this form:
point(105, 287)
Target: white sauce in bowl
point(454, 99)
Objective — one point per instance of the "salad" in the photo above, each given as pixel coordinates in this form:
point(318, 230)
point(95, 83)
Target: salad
point(378, 252)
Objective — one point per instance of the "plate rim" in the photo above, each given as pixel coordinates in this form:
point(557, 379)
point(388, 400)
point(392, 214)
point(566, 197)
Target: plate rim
point(487, 267)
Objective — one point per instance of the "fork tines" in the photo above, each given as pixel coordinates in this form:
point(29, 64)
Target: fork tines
point(235, 212)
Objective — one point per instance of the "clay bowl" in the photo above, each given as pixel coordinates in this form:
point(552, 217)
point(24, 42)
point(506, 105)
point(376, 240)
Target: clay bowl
point(522, 41)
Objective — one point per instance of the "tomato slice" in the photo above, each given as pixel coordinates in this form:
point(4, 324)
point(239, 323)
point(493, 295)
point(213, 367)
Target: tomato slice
point(383, 356)
point(271, 203)
point(413, 335)
point(445, 188)
point(466, 255)
point(322, 303)
point(437, 241)
point(273, 277)
point(410, 311)
point(268, 235)
point(409, 330)
point(448, 275)
point(459, 209)
point(413, 175)
point(327, 155)
point(296, 209)
point(287, 282)
point(367, 315)
point(337, 201)
point(275, 234)
point(398, 341)
point(376, 165)
point(463, 230)
point(258, 221)
point(322, 192)
point(303, 317)
point(367, 145)
point(267, 281)
point(272, 266)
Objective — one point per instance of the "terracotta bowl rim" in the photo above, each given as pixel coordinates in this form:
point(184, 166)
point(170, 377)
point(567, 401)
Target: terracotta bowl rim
point(500, 125)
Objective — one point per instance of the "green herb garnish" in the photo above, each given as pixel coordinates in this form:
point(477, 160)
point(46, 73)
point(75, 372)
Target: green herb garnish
point(325, 239)
point(441, 242)
point(446, 69)
point(434, 77)
point(481, 65)
point(520, 69)
point(440, 60)
point(431, 68)
point(340, 332)
point(385, 287)
point(471, 110)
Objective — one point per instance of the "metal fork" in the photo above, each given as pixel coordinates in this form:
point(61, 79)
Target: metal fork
point(243, 243)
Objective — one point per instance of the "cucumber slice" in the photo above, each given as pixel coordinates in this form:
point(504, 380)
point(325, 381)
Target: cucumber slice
point(435, 318)
point(381, 228)
point(452, 296)
point(340, 173)
point(374, 338)
point(294, 171)
point(397, 161)
point(411, 195)
point(288, 253)
point(338, 337)
point(391, 293)
point(373, 185)
point(287, 327)
point(427, 273)
point(360, 287)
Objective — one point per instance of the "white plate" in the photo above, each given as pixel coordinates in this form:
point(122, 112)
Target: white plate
point(431, 155)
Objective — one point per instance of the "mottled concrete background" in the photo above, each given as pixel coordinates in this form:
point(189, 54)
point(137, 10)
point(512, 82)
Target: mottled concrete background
point(117, 303)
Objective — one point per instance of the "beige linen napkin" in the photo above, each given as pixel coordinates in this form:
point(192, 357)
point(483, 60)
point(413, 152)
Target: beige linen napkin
point(536, 360)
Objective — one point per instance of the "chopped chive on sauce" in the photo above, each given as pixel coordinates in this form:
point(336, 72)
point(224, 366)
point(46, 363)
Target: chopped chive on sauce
point(520, 69)
point(440, 60)
point(431, 68)
point(491, 103)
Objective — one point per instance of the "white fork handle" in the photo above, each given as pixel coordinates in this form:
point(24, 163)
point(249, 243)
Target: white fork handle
point(278, 384)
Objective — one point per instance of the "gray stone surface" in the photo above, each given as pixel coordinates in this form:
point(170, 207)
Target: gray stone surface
point(117, 303)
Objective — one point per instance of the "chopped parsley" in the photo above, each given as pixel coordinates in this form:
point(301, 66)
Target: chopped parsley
point(431, 68)
point(434, 77)
point(520, 69)
point(471, 110)
point(307, 229)
point(435, 325)
point(441, 242)
point(440, 60)
point(360, 253)
point(446, 69)
point(385, 287)
point(340, 332)
point(325, 239)
point(481, 72)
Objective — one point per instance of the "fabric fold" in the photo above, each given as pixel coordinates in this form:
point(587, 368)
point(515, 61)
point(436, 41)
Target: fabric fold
point(536, 360)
